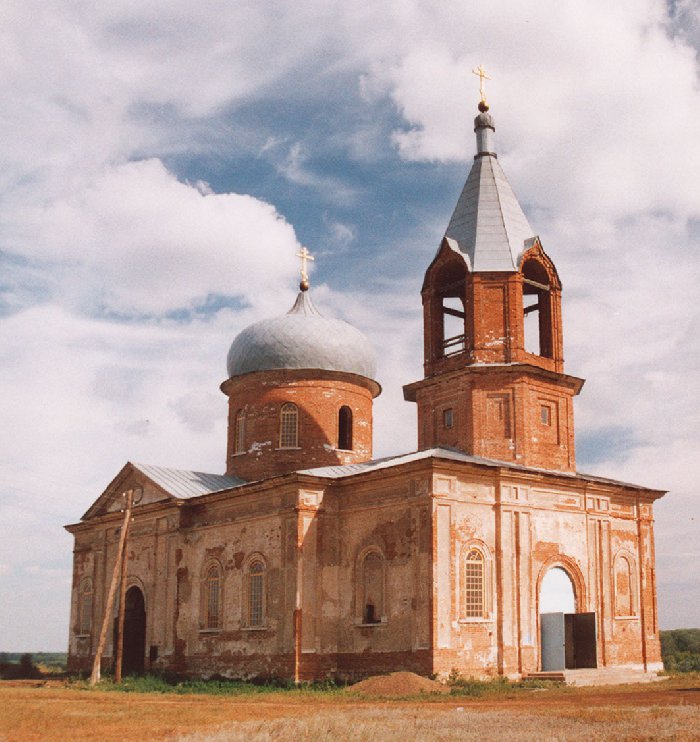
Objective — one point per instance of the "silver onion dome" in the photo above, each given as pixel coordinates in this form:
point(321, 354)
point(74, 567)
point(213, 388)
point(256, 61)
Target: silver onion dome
point(302, 339)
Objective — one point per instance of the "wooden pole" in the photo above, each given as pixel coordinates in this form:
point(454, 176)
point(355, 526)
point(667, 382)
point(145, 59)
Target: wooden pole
point(95, 676)
point(299, 597)
point(122, 594)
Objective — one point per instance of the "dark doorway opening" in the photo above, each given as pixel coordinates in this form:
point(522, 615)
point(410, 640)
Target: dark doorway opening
point(568, 641)
point(133, 662)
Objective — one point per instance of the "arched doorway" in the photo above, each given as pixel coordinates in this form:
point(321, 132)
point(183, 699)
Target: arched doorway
point(134, 632)
point(567, 638)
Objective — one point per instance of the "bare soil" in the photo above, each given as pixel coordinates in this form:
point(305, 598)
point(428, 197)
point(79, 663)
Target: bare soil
point(32, 710)
point(397, 684)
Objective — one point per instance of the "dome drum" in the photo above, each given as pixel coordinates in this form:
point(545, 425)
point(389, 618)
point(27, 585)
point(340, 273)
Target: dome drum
point(288, 419)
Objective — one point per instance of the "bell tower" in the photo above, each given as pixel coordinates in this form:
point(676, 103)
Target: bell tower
point(494, 382)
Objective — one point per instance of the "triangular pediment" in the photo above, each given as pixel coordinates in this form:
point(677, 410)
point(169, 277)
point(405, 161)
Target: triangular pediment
point(155, 484)
point(129, 478)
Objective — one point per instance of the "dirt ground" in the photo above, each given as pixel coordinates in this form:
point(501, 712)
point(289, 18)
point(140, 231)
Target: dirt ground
point(52, 711)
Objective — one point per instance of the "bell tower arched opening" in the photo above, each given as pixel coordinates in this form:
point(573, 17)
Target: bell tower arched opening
point(444, 300)
point(537, 310)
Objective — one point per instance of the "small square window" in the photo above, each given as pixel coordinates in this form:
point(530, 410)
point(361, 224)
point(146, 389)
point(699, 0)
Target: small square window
point(448, 417)
point(546, 415)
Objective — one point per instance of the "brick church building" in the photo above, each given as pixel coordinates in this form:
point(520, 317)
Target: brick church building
point(308, 558)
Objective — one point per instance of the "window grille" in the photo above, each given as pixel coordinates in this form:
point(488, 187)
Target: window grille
point(85, 619)
point(289, 426)
point(213, 598)
point(474, 585)
point(256, 594)
point(239, 433)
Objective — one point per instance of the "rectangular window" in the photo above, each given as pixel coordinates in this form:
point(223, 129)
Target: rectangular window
point(448, 418)
point(545, 414)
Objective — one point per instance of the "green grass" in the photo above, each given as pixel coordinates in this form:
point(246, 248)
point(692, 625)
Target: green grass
point(459, 686)
point(213, 687)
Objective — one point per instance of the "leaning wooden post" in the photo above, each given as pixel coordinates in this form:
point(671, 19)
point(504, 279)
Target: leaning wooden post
point(122, 593)
point(95, 676)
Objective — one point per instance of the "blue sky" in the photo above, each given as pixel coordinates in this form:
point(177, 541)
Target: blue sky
point(161, 163)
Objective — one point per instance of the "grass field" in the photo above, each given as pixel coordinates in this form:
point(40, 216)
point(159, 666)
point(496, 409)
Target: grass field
point(30, 710)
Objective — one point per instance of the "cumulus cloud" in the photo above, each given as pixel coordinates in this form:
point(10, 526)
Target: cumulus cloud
point(137, 240)
point(127, 268)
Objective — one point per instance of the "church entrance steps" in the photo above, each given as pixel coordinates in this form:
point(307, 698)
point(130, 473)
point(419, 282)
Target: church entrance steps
point(555, 677)
point(599, 676)
point(609, 676)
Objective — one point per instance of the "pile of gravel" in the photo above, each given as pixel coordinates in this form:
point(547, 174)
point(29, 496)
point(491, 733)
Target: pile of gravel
point(397, 684)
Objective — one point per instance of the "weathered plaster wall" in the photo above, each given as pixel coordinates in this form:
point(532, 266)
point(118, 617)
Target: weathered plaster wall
point(422, 519)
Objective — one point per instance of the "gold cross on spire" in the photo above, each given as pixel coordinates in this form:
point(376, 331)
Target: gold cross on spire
point(482, 76)
point(305, 256)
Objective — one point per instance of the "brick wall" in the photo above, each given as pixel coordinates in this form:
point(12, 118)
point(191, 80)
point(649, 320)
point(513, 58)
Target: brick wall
point(318, 396)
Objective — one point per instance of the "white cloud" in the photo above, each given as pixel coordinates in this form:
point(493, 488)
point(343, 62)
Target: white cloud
point(136, 240)
point(596, 109)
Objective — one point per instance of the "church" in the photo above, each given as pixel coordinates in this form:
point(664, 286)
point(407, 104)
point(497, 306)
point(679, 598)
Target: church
point(309, 559)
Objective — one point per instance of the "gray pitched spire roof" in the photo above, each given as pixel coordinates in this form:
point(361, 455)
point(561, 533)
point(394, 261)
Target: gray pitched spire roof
point(488, 226)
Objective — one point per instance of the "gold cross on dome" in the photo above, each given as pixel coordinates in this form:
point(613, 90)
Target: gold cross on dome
point(482, 76)
point(305, 256)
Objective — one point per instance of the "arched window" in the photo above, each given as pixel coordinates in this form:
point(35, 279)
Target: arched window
point(345, 428)
point(474, 584)
point(256, 593)
point(85, 607)
point(211, 603)
point(537, 309)
point(372, 587)
point(624, 593)
point(239, 433)
point(289, 426)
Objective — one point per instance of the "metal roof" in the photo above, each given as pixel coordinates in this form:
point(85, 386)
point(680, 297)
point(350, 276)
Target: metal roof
point(488, 225)
point(304, 339)
point(185, 484)
point(337, 472)
point(188, 484)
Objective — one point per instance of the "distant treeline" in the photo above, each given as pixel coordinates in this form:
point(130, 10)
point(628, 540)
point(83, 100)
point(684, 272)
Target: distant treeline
point(21, 665)
point(680, 650)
